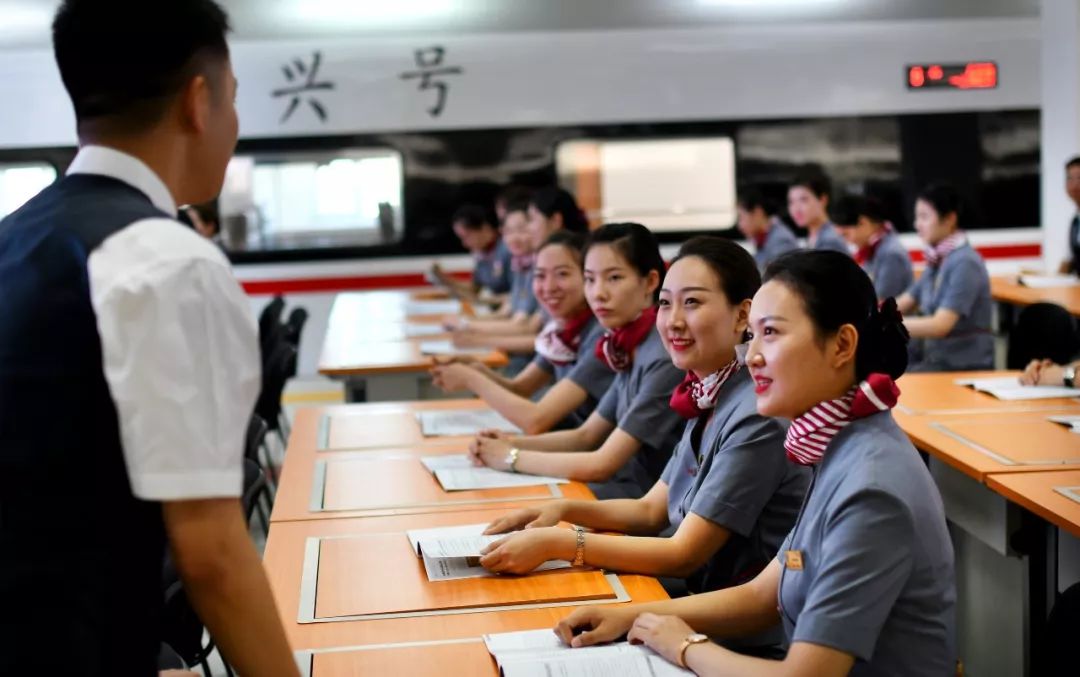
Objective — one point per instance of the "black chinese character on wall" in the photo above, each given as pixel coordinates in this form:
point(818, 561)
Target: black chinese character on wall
point(429, 61)
point(307, 81)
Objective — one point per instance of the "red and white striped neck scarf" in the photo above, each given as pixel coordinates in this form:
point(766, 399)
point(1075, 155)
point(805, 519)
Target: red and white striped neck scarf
point(810, 434)
point(694, 396)
point(616, 347)
point(559, 340)
point(867, 251)
point(936, 254)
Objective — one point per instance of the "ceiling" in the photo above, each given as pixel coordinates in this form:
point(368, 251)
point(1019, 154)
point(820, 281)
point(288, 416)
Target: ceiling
point(24, 23)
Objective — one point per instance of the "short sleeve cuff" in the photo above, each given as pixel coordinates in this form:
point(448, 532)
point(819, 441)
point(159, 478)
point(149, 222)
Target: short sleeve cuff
point(646, 430)
point(723, 515)
point(187, 486)
point(842, 637)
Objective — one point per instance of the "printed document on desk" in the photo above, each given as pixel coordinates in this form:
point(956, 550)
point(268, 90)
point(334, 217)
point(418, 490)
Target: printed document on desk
point(1049, 281)
point(1009, 388)
point(472, 479)
point(417, 330)
point(452, 553)
point(463, 422)
point(448, 348)
point(449, 307)
point(539, 653)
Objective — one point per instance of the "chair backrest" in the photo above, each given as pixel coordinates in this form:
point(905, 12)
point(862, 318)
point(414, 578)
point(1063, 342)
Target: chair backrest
point(1042, 331)
point(294, 326)
point(279, 368)
point(254, 484)
point(271, 315)
point(256, 435)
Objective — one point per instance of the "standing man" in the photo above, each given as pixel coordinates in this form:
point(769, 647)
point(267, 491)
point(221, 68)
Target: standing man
point(1072, 187)
point(128, 363)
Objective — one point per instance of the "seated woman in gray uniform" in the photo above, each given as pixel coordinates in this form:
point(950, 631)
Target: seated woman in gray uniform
point(808, 203)
point(878, 249)
point(729, 491)
point(952, 296)
point(759, 224)
point(864, 583)
point(622, 447)
point(565, 350)
point(529, 226)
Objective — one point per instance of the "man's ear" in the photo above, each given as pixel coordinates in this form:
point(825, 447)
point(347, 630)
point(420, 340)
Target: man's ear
point(196, 101)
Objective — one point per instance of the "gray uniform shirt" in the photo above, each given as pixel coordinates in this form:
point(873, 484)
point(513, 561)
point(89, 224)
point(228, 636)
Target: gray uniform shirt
point(637, 403)
point(738, 478)
point(493, 272)
point(828, 238)
point(890, 268)
point(962, 285)
point(877, 578)
point(522, 299)
point(588, 371)
point(778, 241)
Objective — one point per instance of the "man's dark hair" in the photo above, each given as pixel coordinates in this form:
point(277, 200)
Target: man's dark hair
point(123, 61)
point(472, 217)
point(1073, 162)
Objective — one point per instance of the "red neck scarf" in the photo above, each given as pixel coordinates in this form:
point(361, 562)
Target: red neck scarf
point(694, 396)
point(867, 251)
point(937, 253)
point(810, 434)
point(760, 239)
point(558, 342)
point(487, 253)
point(616, 346)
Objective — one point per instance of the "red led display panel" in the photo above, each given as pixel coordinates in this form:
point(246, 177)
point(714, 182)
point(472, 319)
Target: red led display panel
point(972, 75)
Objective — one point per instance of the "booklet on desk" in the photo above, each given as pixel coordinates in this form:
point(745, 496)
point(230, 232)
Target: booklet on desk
point(455, 472)
point(1009, 388)
point(539, 653)
point(463, 422)
point(452, 553)
point(448, 348)
point(449, 307)
point(416, 330)
point(1048, 281)
point(1070, 422)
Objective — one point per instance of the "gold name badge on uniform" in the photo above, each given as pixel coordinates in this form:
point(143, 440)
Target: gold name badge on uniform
point(793, 559)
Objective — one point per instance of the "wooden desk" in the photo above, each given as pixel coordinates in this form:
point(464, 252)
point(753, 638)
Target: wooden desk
point(1005, 442)
point(938, 394)
point(1053, 495)
point(1006, 289)
point(366, 343)
point(284, 561)
point(429, 659)
point(374, 467)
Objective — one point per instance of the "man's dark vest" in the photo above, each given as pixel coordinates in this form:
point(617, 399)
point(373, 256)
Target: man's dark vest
point(80, 556)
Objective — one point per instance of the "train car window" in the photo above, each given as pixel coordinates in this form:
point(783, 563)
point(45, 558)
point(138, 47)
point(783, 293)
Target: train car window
point(21, 181)
point(312, 200)
point(668, 184)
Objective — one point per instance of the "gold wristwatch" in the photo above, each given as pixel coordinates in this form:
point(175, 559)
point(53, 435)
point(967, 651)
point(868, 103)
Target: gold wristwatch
point(512, 458)
point(693, 638)
point(579, 552)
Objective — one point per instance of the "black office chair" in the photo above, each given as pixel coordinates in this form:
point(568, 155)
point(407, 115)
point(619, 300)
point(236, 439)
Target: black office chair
point(1042, 331)
point(294, 326)
point(276, 372)
point(270, 326)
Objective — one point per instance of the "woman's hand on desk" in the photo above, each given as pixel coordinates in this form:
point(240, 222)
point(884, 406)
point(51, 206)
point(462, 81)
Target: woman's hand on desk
point(490, 452)
point(451, 377)
point(595, 625)
point(662, 634)
point(522, 552)
point(464, 338)
point(547, 515)
point(1043, 373)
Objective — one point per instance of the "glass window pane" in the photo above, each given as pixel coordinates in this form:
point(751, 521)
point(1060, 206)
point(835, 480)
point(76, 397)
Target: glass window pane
point(20, 182)
point(348, 197)
point(666, 184)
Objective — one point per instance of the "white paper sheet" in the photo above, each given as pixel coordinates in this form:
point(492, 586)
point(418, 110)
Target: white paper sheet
point(416, 330)
point(463, 422)
point(446, 307)
point(469, 479)
point(1009, 388)
point(539, 653)
point(1070, 422)
point(448, 462)
point(451, 553)
point(448, 348)
point(1047, 281)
